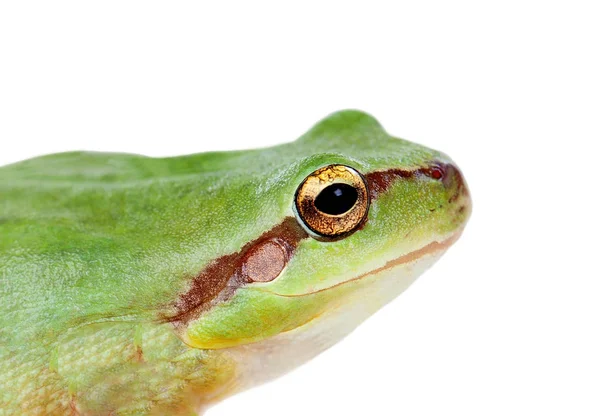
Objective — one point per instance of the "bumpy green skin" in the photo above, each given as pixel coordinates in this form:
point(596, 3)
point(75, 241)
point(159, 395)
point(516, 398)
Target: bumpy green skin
point(95, 248)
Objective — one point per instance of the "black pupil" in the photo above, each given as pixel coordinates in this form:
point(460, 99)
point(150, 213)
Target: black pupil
point(336, 199)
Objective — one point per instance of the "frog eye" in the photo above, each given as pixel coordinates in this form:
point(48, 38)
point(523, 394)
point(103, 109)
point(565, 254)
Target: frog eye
point(332, 202)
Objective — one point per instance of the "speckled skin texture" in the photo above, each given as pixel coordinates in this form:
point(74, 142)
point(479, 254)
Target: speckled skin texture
point(97, 248)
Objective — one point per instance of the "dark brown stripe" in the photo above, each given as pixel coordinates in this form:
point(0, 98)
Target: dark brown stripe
point(221, 278)
point(380, 181)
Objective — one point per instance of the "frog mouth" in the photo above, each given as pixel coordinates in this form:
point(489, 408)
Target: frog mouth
point(431, 249)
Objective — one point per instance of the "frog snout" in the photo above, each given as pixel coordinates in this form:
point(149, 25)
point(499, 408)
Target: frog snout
point(457, 189)
point(454, 181)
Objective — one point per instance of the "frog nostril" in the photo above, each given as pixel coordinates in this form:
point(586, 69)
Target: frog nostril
point(436, 172)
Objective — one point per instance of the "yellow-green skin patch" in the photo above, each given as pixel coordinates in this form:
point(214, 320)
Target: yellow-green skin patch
point(96, 248)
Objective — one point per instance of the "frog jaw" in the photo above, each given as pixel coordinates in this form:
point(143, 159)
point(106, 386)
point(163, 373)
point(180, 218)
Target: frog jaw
point(356, 300)
point(431, 249)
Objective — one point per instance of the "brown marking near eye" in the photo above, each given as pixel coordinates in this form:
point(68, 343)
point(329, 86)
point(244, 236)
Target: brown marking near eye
point(220, 279)
point(380, 181)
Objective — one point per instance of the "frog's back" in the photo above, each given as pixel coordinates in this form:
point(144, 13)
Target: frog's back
point(75, 227)
point(93, 247)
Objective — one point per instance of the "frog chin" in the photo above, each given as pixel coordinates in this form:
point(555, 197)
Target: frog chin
point(268, 359)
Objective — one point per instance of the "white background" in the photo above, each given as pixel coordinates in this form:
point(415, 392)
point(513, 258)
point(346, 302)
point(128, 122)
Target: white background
point(508, 322)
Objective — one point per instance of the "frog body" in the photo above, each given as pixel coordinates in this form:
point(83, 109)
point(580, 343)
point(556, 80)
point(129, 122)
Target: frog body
point(133, 285)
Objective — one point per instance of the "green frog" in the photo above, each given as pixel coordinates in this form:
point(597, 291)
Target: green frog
point(132, 285)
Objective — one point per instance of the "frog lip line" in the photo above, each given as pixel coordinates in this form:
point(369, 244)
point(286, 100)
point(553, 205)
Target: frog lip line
point(429, 249)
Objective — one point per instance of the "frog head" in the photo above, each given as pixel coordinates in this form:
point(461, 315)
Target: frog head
point(355, 216)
